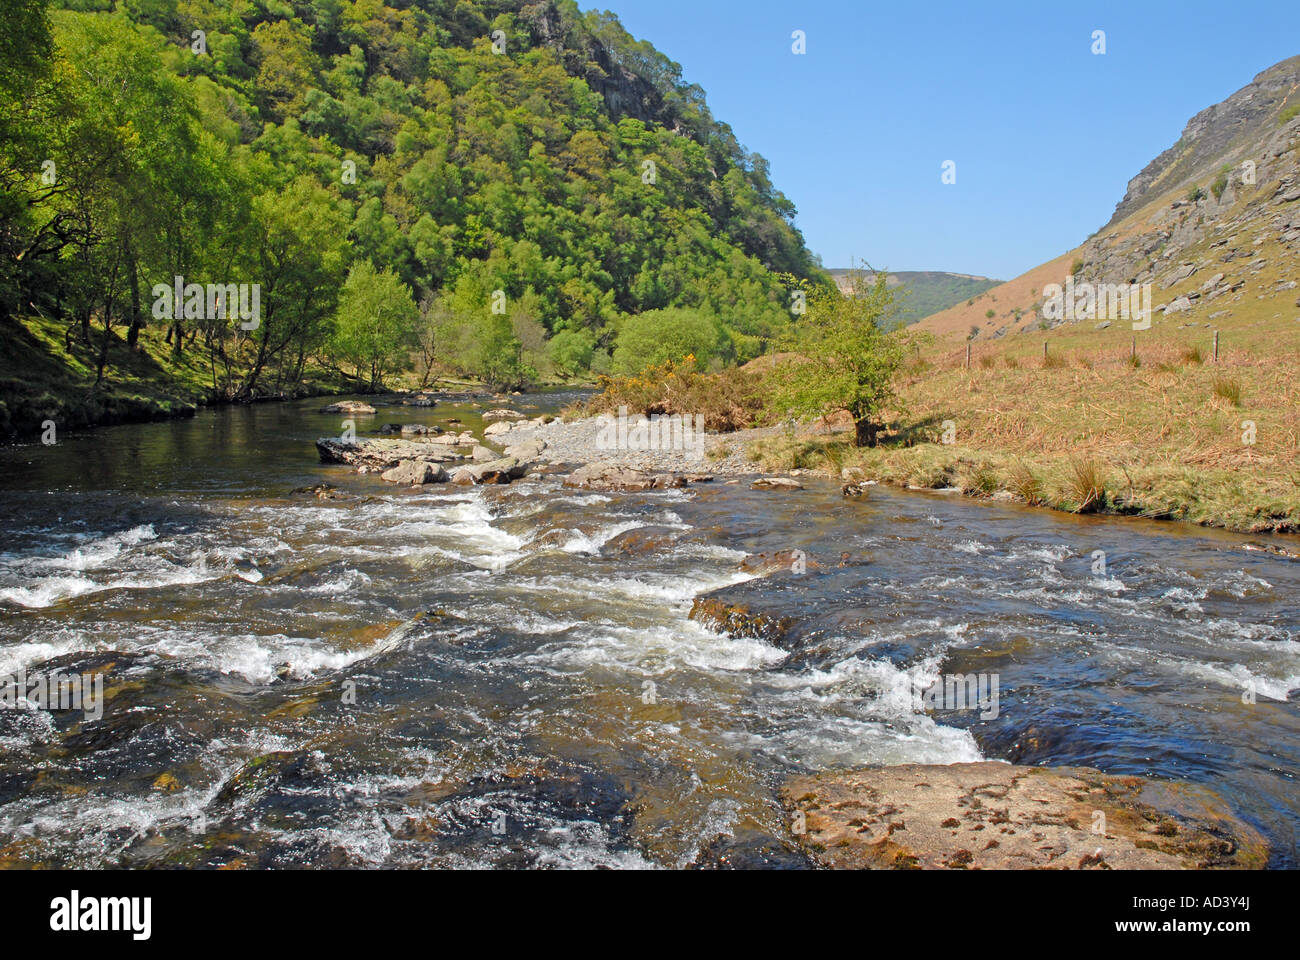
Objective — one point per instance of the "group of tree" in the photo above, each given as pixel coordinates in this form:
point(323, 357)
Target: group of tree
point(498, 189)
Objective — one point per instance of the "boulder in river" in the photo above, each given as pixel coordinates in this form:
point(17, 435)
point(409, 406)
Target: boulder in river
point(503, 414)
point(989, 815)
point(611, 475)
point(349, 407)
point(776, 483)
point(498, 428)
point(500, 471)
point(739, 621)
point(415, 473)
point(381, 454)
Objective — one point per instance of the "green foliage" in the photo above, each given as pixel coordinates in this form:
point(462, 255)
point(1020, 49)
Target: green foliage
point(1220, 184)
point(376, 323)
point(317, 136)
point(844, 358)
point(572, 351)
point(663, 336)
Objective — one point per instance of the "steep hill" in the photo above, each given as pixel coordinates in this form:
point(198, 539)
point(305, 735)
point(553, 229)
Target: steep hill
point(1213, 224)
point(528, 173)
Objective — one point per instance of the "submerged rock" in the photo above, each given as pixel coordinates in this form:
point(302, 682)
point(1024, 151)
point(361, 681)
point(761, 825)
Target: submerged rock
point(968, 816)
point(739, 621)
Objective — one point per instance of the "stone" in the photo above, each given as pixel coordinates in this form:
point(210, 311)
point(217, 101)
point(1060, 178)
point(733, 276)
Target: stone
point(498, 428)
point(776, 483)
point(350, 407)
point(528, 450)
point(415, 473)
point(990, 815)
point(503, 414)
point(739, 621)
point(503, 471)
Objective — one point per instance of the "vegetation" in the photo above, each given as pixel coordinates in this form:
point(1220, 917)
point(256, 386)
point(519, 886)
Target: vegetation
point(530, 175)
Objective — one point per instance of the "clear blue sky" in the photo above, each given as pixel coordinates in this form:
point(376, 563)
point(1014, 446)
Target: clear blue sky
point(1044, 134)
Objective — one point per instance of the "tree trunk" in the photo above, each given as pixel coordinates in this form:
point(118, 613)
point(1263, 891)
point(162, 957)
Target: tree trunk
point(133, 275)
point(865, 432)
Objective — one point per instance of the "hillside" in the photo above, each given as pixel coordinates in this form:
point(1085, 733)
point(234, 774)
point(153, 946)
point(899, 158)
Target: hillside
point(514, 181)
point(1212, 223)
point(926, 292)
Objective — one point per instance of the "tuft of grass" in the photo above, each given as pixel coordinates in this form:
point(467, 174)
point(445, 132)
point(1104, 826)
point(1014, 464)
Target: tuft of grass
point(1134, 361)
point(986, 361)
point(1086, 484)
point(1193, 355)
point(1012, 363)
point(1054, 362)
point(1228, 388)
point(1025, 483)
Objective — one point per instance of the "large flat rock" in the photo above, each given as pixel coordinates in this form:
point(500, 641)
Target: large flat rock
point(970, 816)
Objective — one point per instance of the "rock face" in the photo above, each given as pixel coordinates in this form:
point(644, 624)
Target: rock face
point(415, 473)
point(969, 816)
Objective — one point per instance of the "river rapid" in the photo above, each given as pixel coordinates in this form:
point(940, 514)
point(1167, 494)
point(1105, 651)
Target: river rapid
point(507, 676)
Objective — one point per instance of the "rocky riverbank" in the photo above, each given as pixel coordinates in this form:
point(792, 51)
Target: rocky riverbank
point(511, 446)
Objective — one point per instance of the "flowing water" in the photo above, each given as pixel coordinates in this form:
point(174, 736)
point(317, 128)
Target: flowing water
point(507, 676)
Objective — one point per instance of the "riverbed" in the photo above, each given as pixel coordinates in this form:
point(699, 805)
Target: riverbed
point(507, 676)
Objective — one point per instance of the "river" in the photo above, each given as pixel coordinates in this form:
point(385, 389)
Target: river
point(507, 676)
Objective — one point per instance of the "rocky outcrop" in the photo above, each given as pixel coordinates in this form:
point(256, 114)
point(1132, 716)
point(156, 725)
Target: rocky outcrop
point(971, 816)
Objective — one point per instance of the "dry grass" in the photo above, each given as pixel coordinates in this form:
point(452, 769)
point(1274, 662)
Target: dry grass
point(1153, 440)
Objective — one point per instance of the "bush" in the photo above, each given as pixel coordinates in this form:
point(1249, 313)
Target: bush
point(672, 335)
point(729, 400)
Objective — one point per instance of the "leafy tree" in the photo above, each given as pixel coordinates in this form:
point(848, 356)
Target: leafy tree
point(375, 329)
point(844, 358)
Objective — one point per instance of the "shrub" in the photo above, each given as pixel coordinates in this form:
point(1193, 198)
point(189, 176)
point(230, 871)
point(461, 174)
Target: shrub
point(666, 336)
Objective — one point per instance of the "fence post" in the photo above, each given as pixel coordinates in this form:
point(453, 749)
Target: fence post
point(1216, 346)
point(968, 355)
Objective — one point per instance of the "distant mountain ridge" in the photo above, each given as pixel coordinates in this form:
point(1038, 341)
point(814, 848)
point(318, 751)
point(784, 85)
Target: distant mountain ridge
point(1214, 219)
point(928, 291)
